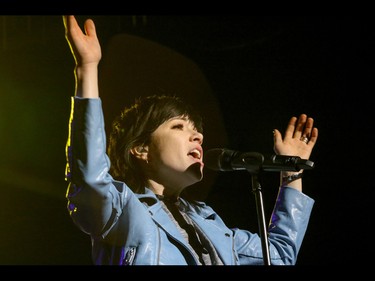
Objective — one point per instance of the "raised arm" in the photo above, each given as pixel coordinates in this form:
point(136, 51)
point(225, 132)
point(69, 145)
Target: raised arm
point(87, 54)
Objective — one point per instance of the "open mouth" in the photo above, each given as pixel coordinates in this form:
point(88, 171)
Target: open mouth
point(195, 153)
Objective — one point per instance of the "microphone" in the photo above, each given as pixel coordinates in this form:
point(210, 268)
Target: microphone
point(222, 159)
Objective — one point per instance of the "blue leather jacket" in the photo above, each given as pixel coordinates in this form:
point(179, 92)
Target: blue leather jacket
point(126, 231)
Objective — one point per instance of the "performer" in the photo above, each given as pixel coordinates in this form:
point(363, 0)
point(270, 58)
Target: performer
point(128, 200)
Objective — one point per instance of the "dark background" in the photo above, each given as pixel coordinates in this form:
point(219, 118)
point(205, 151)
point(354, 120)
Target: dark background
point(258, 72)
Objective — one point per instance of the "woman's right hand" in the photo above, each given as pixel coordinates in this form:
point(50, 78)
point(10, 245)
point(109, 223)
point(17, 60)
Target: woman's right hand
point(85, 47)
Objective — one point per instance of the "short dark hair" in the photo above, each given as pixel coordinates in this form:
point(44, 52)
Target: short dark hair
point(134, 126)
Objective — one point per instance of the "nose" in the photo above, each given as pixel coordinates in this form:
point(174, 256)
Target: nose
point(197, 137)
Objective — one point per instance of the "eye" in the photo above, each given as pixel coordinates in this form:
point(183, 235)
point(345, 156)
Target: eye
point(178, 126)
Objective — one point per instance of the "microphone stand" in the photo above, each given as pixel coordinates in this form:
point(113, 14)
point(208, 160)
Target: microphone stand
point(254, 163)
point(257, 190)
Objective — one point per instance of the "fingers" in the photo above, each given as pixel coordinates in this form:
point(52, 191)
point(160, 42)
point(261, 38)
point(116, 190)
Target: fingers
point(72, 28)
point(307, 127)
point(302, 128)
point(313, 136)
point(291, 128)
point(69, 21)
point(90, 28)
point(277, 137)
point(300, 131)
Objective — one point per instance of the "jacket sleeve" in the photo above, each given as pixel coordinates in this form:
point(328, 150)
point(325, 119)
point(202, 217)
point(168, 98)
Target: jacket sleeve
point(94, 199)
point(287, 228)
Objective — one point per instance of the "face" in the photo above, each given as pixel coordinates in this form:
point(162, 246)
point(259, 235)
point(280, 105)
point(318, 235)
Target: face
point(175, 154)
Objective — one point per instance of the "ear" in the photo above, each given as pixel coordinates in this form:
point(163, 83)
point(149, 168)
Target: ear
point(140, 152)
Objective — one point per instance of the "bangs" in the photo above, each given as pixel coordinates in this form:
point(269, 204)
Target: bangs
point(164, 108)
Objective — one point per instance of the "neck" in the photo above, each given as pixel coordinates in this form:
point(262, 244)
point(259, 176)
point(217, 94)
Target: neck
point(163, 191)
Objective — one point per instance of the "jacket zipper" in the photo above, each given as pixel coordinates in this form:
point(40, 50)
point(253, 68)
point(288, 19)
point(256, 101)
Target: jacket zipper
point(129, 256)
